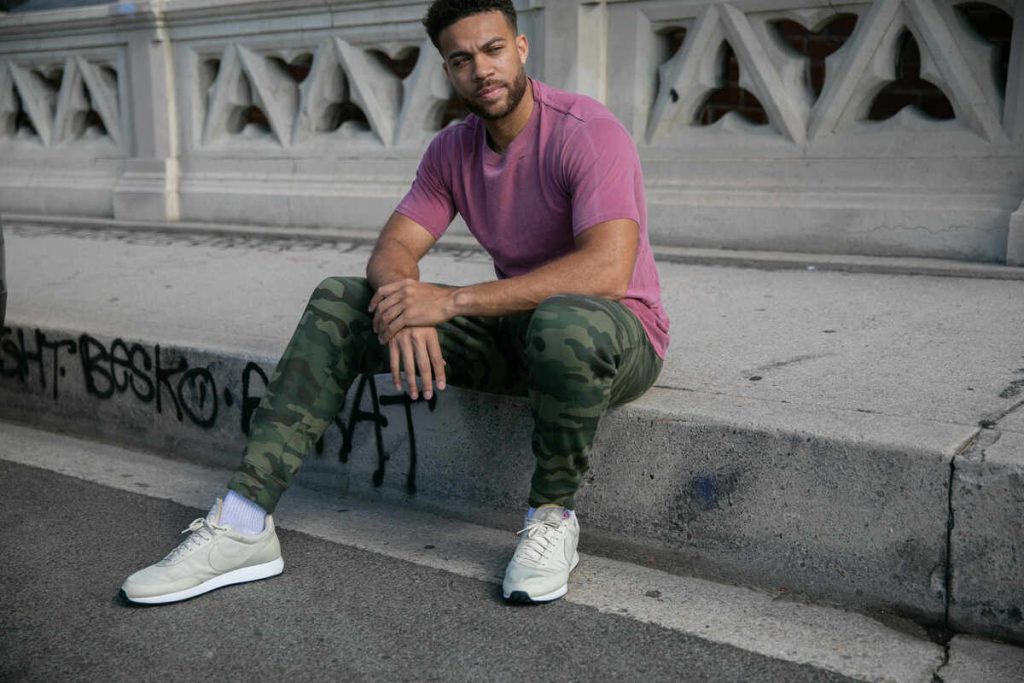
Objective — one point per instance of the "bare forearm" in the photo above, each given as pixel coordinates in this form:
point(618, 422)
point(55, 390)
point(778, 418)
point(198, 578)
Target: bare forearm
point(401, 245)
point(390, 263)
point(576, 273)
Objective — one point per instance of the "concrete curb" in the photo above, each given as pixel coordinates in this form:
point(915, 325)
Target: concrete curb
point(987, 525)
point(845, 508)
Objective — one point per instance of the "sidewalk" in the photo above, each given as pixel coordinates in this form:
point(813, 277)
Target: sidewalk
point(857, 438)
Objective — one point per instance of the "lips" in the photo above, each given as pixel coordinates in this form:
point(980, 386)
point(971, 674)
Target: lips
point(489, 93)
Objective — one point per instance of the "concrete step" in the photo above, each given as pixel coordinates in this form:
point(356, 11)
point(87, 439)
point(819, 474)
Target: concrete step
point(838, 644)
point(855, 439)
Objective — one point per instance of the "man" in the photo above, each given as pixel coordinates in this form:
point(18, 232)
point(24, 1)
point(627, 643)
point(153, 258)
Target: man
point(551, 186)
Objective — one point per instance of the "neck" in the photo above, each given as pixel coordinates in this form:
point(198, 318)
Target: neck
point(504, 130)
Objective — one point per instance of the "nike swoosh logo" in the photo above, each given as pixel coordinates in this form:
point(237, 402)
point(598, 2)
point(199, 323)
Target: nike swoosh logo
point(225, 557)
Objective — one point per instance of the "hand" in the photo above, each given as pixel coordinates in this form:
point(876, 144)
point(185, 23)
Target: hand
point(417, 347)
point(409, 303)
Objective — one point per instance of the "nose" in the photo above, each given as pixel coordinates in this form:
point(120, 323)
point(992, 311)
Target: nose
point(483, 68)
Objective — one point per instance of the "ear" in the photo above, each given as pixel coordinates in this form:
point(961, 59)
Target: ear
point(444, 67)
point(523, 47)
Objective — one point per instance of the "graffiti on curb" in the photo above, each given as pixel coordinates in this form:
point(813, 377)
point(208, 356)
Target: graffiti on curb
point(116, 368)
point(152, 376)
point(46, 354)
point(113, 369)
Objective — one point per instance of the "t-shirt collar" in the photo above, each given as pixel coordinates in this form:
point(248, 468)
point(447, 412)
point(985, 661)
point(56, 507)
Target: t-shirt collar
point(519, 140)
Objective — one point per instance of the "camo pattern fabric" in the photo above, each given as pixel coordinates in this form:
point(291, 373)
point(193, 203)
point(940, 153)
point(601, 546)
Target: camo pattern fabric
point(573, 356)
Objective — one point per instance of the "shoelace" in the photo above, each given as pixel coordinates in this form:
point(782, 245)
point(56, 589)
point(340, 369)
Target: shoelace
point(201, 531)
point(540, 537)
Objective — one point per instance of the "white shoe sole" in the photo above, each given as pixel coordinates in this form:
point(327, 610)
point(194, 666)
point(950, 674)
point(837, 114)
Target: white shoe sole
point(243, 575)
point(547, 597)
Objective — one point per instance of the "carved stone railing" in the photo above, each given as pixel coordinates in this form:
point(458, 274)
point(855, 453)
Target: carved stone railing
point(893, 127)
point(818, 153)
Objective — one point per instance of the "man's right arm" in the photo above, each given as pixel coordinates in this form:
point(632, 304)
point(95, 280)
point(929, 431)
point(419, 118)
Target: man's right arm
point(396, 256)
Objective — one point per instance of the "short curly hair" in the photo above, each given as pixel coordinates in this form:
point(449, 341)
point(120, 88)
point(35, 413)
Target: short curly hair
point(444, 13)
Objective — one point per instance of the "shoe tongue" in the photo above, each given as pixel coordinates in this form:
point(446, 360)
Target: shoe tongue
point(550, 513)
point(215, 512)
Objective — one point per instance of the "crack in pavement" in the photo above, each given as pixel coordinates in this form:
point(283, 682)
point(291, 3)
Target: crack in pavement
point(937, 675)
point(791, 361)
point(992, 421)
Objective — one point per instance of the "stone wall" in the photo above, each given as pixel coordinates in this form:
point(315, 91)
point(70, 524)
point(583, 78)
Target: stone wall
point(893, 127)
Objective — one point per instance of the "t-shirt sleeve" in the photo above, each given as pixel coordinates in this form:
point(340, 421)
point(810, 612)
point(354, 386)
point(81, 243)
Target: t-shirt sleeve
point(600, 163)
point(429, 200)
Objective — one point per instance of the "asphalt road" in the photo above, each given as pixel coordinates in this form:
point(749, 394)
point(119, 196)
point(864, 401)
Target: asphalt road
point(337, 613)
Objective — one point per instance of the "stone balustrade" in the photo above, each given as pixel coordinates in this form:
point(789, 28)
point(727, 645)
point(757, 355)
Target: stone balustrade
point(893, 127)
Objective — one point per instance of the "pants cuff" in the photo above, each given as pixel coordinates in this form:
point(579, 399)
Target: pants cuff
point(258, 486)
point(567, 501)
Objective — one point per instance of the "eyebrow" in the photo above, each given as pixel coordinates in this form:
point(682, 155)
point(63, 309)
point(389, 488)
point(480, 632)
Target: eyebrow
point(462, 53)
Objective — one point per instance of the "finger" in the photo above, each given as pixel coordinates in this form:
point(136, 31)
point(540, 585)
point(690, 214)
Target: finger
point(396, 366)
point(378, 311)
point(387, 290)
point(394, 321)
point(384, 292)
point(389, 315)
point(423, 360)
point(409, 359)
point(380, 323)
point(393, 328)
point(387, 310)
point(437, 361)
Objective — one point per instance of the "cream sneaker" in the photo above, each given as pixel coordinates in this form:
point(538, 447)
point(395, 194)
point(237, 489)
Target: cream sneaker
point(211, 557)
point(539, 569)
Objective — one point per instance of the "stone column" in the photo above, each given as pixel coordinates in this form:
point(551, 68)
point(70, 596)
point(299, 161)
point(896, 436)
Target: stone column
point(1015, 238)
point(1014, 117)
point(571, 44)
point(148, 189)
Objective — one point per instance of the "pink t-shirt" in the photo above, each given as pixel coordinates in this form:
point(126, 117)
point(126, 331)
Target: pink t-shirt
point(573, 166)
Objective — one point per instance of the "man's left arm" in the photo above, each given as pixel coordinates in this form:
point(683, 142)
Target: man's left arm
point(601, 265)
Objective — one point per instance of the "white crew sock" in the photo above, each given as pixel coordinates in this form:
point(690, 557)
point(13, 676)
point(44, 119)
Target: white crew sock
point(531, 510)
point(242, 515)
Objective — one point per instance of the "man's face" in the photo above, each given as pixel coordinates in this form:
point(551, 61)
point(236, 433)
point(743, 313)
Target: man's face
point(484, 61)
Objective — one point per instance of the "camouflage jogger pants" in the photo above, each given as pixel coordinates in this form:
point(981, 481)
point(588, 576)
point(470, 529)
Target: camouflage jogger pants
point(573, 356)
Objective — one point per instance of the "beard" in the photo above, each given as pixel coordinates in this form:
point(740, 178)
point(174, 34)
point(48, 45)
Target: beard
point(516, 92)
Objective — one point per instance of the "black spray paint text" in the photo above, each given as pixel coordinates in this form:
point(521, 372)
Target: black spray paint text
point(151, 376)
